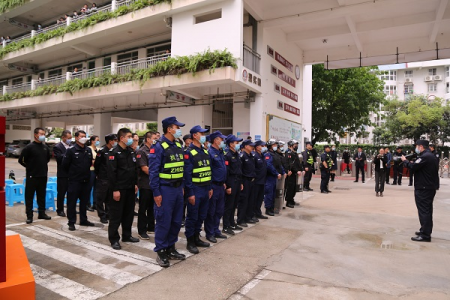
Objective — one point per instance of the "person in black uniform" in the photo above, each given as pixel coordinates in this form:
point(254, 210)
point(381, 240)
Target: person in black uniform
point(104, 191)
point(146, 217)
point(293, 169)
point(333, 154)
point(346, 158)
point(360, 159)
point(35, 157)
point(260, 180)
point(398, 166)
point(435, 152)
point(411, 172)
point(62, 181)
point(308, 164)
point(77, 162)
point(325, 168)
point(122, 177)
point(275, 171)
point(246, 204)
point(426, 182)
point(233, 183)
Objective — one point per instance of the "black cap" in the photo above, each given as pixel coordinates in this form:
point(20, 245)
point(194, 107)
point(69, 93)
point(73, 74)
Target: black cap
point(232, 138)
point(171, 121)
point(260, 143)
point(215, 135)
point(424, 143)
point(198, 128)
point(248, 143)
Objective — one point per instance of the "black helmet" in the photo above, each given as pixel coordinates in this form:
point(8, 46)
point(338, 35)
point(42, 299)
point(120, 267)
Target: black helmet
point(292, 142)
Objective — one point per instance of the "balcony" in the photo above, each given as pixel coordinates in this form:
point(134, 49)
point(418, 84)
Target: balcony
point(252, 59)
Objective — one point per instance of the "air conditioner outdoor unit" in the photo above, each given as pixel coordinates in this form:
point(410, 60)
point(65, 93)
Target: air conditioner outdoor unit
point(408, 80)
point(429, 78)
point(437, 77)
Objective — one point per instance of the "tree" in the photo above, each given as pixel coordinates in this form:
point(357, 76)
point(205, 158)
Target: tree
point(152, 127)
point(55, 132)
point(343, 99)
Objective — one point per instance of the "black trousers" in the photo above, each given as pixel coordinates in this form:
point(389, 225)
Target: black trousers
point(103, 197)
point(308, 176)
point(146, 215)
point(258, 193)
point(424, 203)
point(291, 188)
point(325, 179)
point(245, 200)
point(411, 175)
point(231, 202)
point(77, 190)
point(62, 184)
point(34, 185)
point(121, 213)
point(398, 174)
point(358, 169)
point(388, 173)
point(379, 180)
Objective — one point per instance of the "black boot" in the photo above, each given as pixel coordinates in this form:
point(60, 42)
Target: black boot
point(332, 177)
point(162, 259)
point(191, 245)
point(199, 242)
point(43, 215)
point(269, 212)
point(172, 253)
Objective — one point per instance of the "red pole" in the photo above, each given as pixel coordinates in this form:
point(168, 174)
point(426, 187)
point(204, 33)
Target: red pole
point(2, 202)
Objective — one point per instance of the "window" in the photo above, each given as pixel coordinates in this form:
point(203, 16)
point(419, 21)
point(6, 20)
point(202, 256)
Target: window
point(159, 49)
point(78, 66)
point(41, 75)
point(390, 90)
point(127, 57)
point(432, 71)
point(409, 74)
point(447, 71)
point(389, 75)
point(432, 87)
point(29, 79)
point(3, 83)
point(91, 64)
point(17, 81)
point(447, 90)
point(409, 89)
point(106, 61)
point(54, 73)
point(209, 16)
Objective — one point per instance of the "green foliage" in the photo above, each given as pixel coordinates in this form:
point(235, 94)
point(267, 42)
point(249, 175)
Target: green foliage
point(9, 4)
point(343, 99)
point(79, 25)
point(152, 127)
point(208, 60)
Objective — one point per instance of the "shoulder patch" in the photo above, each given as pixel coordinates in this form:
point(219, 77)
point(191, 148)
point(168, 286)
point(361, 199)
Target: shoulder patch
point(267, 157)
point(138, 156)
point(226, 163)
point(111, 157)
point(152, 150)
point(186, 156)
point(418, 160)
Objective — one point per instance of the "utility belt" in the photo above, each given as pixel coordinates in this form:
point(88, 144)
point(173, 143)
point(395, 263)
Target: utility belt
point(173, 184)
point(249, 178)
point(200, 184)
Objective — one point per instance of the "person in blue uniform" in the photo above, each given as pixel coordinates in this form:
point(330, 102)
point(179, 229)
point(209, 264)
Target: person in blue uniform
point(219, 175)
point(233, 183)
point(187, 139)
point(166, 168)
point(426, 182)
point(260, 179)
point(197, 179)
point(275, 171)
point(326, 162)
point(246, 204)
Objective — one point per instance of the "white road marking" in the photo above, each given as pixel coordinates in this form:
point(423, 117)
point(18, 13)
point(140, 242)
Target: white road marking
point(250, 285)
point(63, 286)
point(121, 255)
point(88, 265)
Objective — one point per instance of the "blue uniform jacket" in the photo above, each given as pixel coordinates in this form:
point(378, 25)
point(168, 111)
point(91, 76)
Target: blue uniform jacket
point(389, 158)
point(260, 168)
point(218, 167)
point(270, 167)
point(156, 160)
point(188, 169)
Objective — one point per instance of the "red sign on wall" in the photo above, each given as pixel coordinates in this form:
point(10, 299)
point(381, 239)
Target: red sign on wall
point(286, 78)
point(288, 94)
point(291, 109)
point(284, 61)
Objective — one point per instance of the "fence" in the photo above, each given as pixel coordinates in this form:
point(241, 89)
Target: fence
point(252, 59)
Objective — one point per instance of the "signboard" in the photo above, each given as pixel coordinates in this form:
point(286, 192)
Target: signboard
point(283, 61)
point(242, 135)
point(289, 80)
point(257, 137)
point(291, 109)
point(280, 104)
point(177, 97)
point(282, 129)
point(288, 94)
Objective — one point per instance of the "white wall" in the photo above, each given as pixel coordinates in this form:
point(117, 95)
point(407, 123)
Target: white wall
point(219, 34)
point(241, 119)
point(191, 116)
point(17, 135)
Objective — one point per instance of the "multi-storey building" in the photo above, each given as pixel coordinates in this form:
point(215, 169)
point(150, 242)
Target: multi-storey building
point(84, 70)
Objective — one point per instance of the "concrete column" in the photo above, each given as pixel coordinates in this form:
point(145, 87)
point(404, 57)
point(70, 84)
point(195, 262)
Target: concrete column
point(102, 125)
point(4, 43)
point(33, 84)
point(33, 33)
point(113, 68)
point(34, 124)
point(258, 118)
point(5, 91)
point(113, 5)
point(307, 102)
point(115, 128)
point(69, 21)
point(68, 76)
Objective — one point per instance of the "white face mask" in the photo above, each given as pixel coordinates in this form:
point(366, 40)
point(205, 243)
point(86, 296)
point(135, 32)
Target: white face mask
point(83, 140)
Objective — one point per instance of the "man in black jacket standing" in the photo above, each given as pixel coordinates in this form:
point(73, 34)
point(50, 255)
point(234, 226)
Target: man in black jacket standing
point(294, 169)
point(62, 182)
point(398, 166)
point(426, 182)
point(35, 157)
point(360, 159)
point(380, 162)
point(77, 163)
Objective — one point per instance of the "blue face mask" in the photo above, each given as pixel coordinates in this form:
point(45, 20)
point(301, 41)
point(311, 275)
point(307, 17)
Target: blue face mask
point(222, 145)
point(263, 149)
point(129, 142)
point(417, 151)
point(202, 139)
point(137, 148)
point(41, 138)
point(237, 147)
point(275, 148)
point(97, 143)
point(115, 144)
point(177, 134)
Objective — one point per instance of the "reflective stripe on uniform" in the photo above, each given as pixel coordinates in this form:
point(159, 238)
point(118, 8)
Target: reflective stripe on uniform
point(205, 179)
point(170, 176)
point(205, 169)
point(174, 165)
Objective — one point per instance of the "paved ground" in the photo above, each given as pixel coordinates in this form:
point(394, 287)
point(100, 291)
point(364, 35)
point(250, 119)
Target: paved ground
point(344, 245)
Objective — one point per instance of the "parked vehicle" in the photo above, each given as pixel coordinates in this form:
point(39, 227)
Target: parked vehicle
point(16, 147)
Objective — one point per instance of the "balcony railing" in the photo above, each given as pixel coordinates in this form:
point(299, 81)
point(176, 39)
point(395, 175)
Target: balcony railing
point(96, 72)
point(252, 59)
point(54, 80)
point(143, 63)
point(18, 88)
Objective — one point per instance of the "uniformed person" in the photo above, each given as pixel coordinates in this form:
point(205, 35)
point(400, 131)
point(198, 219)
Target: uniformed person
point(346, 158)
point(146, 217)
point(398, 166)
point(308, 163)
point(197, 178)
point(435, 153)
point(233, 183)
point(102, 186)
point(294, 169)
point(166, 168)
point(187, 138)
point(122, 177)
point(275, 171)
point(77, 162)
point(62, 181)
point(426, 182)
point(260, 179)
point(333, 154)
point(246, 204)
point(325, 168)
point(218, 177)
